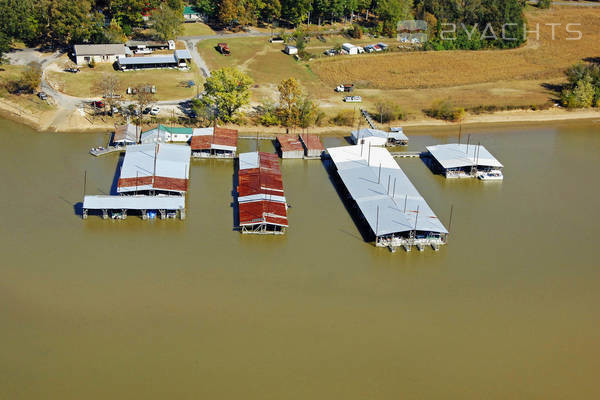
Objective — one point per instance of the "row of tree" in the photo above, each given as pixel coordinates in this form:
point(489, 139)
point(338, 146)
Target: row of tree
point(64, 22)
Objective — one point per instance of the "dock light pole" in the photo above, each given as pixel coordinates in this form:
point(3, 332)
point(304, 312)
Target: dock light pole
point(369, 159)
point(450, 222)
point(379, 179)
point(405, 201)
point(84, 181)
point(376, 226)
point(468, 141)
point(394, 194)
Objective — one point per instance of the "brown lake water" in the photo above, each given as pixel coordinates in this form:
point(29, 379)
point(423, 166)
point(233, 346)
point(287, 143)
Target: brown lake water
point(193, 310)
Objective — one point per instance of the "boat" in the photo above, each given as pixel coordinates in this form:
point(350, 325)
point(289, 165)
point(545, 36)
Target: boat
point(491, 175)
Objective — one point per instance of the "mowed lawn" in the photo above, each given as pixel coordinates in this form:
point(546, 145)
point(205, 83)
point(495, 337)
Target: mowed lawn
point(196, 29)
point(170, 84)
point(537, 60)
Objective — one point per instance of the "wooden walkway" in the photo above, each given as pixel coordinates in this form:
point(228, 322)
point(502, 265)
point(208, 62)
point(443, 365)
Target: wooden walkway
point(368, 118)
point(406, 154)
point(256, 137)
point(102, 151)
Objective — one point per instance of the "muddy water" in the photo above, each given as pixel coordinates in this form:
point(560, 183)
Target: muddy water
point(185, 310)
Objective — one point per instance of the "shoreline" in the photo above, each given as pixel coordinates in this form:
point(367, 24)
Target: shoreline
point(62, 120)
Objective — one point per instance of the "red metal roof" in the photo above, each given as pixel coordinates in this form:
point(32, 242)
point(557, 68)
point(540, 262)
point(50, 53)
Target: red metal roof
point(201, 142)
point(263, 211)
point(266, 179)
point(289, 143)
point(220, 136)
point(157, 182)
point(312, 142)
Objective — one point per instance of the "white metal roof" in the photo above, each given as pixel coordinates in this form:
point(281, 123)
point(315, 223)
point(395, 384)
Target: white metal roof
point(99, 49)
point(368, 132)
point(168, 59)
point(249, 160)
point(134, 202)
point(172, 161)
point(203, 131)
point(182, 54)
point(261, 196)
point(388, 200)
point(456, 155)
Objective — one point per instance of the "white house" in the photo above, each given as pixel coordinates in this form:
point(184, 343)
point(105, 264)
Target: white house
point(291, 50)
point(100, 53)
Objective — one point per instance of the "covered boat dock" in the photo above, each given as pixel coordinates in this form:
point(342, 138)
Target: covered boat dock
point(464, 161)
point(386, 200)
point(260, 197)
point(290, 146)
point(313, 148)
point(155, 169)
point(118, 207)
point(214, 143)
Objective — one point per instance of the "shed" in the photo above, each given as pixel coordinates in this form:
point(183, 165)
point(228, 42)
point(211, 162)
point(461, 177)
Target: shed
point(126, 134)
point(376, 137)
point(193, 14)
point(313, 148)
point(457, 160)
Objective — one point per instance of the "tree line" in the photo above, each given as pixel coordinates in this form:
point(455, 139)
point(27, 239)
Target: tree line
point(64, 22)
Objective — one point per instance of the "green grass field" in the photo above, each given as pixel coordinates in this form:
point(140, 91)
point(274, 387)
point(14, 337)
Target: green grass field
point(28, 101)
point(196, 29)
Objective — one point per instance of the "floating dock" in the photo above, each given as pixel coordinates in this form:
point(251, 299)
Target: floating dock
point(148, 207)
point(313, 148)
point(260, 197)
point(394, 211)
point(464, 161)
point(289, 146)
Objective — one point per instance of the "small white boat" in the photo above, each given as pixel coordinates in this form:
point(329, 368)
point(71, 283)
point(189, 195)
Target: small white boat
point(491, 176)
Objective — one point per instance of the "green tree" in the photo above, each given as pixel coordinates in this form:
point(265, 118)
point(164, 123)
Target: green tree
point(166, 22)
point(290, 96)
point(68, 22)
point(5, 43)
point(227, 90)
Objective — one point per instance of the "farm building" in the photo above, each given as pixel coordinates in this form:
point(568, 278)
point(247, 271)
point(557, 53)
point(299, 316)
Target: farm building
point(289, 146)
point(193, 14)
point(376, 137)
point(155, 169)
point(313, 148)
point(117, 207)
point(126, 134)
point(260, 197)
point(214, 143)
point(291, 50)
point(179, 59)
point(166, 134)
point(100, 53)
point(465, 161)
point(386, 200)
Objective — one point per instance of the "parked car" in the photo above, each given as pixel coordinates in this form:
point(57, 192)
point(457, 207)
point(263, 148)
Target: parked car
point(42, 95)
point(369, 48)
point(98, 104)
point(155, 110)
point(146, 110)
point(115, 110)
point(330, 52)
point(73, 70)
point(345, 88)
point(353, 99)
